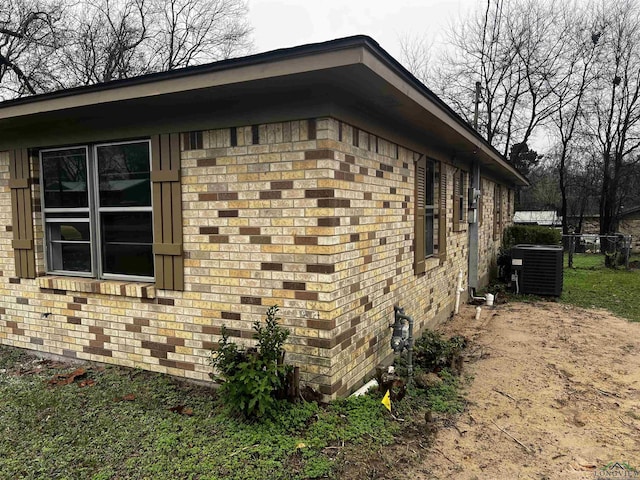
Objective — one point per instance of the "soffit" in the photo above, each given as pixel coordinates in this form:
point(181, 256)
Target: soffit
point(354, 75)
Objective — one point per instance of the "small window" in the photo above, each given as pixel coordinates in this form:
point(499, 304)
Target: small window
point(97, 210)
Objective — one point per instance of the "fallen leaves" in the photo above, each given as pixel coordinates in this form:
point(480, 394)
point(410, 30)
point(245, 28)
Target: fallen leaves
point(60, 380)
point(130, 397)
point(182, 410)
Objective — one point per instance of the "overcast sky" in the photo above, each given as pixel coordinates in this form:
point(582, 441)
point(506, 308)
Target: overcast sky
point(287, 23)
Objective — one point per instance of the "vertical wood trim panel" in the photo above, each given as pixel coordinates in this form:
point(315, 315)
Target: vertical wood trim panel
point(22, 213)
point(419, 250)
point(176, 220)
point(480, 204)
point(167, 212)
point(442, 214)
point(497, 207)
point(456, 201)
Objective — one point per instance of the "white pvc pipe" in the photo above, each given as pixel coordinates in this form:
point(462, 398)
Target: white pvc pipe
point(490, 299)
point(459, 290)
point(478, 312)
point(472, 295)
point(365, 388)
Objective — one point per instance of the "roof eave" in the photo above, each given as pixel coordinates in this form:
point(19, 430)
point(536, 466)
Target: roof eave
point(290, 61)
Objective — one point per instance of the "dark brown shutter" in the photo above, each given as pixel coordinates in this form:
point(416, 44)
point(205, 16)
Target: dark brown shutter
point(497, 212)
point(22, 213)
point(167, 211)
point(421, 179)
point(456, 201)
point(480, 207)
point(442, 214)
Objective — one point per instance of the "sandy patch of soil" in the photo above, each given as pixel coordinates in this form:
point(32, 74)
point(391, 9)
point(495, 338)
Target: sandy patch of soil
point(555, 395)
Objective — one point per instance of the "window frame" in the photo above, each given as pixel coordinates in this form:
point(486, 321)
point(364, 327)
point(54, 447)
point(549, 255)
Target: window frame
point(94, 211)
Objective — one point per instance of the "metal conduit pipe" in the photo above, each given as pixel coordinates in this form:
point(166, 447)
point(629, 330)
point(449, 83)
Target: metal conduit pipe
point(401, 340)
point(459, 290)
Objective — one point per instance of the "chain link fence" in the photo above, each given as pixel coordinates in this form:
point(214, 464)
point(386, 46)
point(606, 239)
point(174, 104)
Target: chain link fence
point(616, 249)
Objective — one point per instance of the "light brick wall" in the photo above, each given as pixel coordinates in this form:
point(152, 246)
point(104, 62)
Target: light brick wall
point(630, 225)
point(316, 216)
point(488, 247)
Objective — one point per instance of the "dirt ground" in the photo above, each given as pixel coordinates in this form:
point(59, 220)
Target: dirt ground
point(555, 395)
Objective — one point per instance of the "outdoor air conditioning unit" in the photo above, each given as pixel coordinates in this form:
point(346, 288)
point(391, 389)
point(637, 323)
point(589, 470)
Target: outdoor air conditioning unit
point(537, 269)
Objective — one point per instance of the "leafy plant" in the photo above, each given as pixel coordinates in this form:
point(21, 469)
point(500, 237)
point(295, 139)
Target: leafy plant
point(433, 352)
point(271, 337)
point(530, 234)
point(445, 397)
point(252, 378)
point(128, 429)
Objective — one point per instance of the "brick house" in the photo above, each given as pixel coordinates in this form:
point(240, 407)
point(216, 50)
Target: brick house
point(140, 215)
point(628, 224)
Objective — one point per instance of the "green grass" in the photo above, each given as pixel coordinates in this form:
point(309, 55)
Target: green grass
point(68, 432)
point(590, 284)
point(444, 398)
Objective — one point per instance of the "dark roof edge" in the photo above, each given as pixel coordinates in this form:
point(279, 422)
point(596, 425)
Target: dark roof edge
point(279, 54)
point(384, 56)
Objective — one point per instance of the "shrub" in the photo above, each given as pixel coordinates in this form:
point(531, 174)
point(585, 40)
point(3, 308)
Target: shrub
point(252, 378)
point(434, 353)
point(530, 234)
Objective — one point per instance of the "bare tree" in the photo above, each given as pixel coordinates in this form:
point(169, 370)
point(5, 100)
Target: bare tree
point(615, 104)
point(44, 46)
point(106, 42)
point(480, 51)
point(416, 56)
point(515, 49)
point(197, 31)
point(28, 37)
point(582, 35)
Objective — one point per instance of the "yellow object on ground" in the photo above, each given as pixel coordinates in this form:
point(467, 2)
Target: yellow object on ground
point(386, 400)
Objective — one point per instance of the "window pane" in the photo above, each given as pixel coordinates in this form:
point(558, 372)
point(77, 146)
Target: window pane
point(69, 246)
point(64, 174)
point(74, 257)
point(124, 175)
point(127, 243)
point(128, 259)
point(430, 180)
point(428, 232)
point(127, 227)
point(69, 231)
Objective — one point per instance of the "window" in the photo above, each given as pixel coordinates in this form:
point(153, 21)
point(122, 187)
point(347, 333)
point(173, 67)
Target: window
point(97, 210)
point(430, 211)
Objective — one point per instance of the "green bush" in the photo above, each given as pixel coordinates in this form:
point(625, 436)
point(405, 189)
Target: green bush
point(251, 379)
point(432, 352)
point(530, 234)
